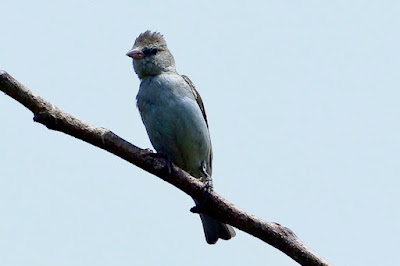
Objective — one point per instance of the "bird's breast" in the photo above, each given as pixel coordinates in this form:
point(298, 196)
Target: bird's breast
point(174, 121)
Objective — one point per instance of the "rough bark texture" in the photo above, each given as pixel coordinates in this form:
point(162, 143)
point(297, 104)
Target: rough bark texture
point(53, 118)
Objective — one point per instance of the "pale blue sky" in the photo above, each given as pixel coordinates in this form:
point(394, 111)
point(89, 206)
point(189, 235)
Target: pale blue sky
point(303, 105)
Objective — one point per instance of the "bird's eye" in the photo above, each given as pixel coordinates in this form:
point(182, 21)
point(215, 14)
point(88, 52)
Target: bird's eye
point(150, 51)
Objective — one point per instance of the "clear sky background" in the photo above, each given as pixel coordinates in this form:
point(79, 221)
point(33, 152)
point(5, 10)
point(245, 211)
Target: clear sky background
point(303, 105)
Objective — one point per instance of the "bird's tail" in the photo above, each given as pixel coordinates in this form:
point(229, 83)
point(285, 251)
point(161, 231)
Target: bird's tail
point(214, 229)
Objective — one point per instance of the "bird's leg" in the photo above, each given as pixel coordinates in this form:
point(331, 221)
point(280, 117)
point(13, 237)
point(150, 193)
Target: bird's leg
point(208, 184)
point(169, 163)
point(207, 189)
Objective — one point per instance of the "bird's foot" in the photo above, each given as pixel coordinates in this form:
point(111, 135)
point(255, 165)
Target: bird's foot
point(207, 190)
point(149, 150)
point(166, 158)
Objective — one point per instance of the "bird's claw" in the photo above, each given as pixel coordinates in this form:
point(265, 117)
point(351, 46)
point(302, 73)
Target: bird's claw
point(168, 160)
point(207, 190)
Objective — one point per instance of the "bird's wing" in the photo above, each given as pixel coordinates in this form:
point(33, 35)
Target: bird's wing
point(203, 111)
point(196, 96)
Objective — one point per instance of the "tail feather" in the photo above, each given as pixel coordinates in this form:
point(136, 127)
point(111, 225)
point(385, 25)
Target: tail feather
point(214, 229)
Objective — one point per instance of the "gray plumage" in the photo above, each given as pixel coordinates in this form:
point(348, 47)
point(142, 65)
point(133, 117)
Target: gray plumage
point(174, 116)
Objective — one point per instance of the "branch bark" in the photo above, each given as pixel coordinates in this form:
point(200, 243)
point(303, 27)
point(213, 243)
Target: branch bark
point(53, 118)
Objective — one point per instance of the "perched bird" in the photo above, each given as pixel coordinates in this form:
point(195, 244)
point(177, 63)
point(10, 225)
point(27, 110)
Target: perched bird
point(173, 114)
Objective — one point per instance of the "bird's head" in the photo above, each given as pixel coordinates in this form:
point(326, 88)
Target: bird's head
point(150, 55)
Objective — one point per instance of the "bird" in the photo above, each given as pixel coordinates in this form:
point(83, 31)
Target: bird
point(174, 117)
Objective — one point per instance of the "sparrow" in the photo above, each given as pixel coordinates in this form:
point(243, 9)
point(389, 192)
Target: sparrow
point(173, 114)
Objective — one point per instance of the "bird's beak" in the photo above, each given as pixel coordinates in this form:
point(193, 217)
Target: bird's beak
point(136, 54)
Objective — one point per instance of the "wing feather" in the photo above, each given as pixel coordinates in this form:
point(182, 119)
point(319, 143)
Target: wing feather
point(201, 105)
point(196, 96)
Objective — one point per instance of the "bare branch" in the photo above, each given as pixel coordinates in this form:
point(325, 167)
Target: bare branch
point(53, 118)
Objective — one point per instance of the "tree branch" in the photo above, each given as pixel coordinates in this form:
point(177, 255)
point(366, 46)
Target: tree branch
point(53, 118)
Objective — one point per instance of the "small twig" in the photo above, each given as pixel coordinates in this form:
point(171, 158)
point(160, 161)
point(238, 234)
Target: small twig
point(53, 118)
